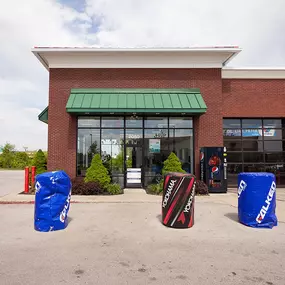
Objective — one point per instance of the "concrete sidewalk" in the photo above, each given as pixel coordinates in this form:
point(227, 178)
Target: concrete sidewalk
point(139, 196)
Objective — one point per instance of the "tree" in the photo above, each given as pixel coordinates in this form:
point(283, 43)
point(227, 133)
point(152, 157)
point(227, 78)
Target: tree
point(172, 164)
point(7, 155)
point(97, 172)
point(20, 160)
point(40, 162)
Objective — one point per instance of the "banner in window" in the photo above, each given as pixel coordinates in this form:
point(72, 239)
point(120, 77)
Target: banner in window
point(250, 133)
point(154, 145)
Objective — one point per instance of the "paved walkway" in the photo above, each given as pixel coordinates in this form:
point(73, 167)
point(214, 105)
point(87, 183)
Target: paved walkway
point(139, 196)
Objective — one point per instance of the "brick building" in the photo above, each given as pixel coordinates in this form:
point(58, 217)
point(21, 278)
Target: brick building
point(135, 106)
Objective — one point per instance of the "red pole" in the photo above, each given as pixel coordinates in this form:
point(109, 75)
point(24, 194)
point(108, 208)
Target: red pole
point(26, 179)
point(33, 176)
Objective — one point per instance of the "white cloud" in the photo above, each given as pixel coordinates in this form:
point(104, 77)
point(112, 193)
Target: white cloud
point(23, 81)
point(257, 26)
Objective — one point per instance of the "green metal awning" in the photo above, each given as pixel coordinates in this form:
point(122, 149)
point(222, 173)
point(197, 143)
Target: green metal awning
point(178, 101)
point(43, 116)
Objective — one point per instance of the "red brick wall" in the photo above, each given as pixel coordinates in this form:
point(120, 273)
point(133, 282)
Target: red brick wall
point(253, 98)
point(62, 126)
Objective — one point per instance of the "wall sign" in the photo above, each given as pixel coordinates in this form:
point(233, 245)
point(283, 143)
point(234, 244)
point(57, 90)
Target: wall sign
point(154, 145)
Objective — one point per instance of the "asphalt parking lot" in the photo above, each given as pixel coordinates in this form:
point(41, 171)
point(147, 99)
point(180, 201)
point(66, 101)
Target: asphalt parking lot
point(125, 243)
point(11, 181)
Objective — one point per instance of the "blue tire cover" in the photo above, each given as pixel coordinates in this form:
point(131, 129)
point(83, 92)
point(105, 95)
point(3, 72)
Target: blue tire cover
point(52, 201)
point(257, 199)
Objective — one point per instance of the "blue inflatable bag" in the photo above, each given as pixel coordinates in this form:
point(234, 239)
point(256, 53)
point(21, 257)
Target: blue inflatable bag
point(257, 199)
point(52, 201)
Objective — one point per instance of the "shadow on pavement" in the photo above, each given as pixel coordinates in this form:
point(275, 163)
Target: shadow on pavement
point(232, 216)
point(159, 217)
point(69, 220)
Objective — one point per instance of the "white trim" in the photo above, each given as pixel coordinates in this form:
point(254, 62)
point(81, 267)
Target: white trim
point(135, 58)
point(253, 73)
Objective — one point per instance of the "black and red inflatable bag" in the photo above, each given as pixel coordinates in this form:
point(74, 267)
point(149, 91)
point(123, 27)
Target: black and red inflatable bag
point(178, 200)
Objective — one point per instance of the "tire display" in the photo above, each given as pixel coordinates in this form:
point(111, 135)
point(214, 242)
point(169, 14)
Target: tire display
point(257, 200)
point(52, 201)
point(178, 200)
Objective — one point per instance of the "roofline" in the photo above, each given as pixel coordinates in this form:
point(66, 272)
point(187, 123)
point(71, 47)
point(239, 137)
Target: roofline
point(254, 73)
point(153, 49)
point(42, 52)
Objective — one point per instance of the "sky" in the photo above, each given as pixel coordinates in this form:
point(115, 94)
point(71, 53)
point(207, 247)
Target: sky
point(257, 26)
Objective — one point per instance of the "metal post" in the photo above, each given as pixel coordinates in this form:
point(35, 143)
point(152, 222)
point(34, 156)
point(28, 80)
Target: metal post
point(26, 180)
point(33, 176)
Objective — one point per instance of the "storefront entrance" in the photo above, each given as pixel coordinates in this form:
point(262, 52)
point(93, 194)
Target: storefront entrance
point(133, 148)
point(134, 164)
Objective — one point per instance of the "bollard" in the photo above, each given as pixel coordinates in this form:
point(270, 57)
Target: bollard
point(33, 176)
point(26, 180)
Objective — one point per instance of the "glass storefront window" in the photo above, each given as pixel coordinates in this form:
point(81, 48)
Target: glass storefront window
point(112, 136)
point(275, 157)
point(234, 157)
point(88, 122)
point(271, 124)
point(180, 122)
point(112, 122)
point(155, 133)
point(251, 133)
point(252, 145)
point(156, 122)
point(235, 133)
point(233, 145)
point(88, 144)
point(253, 157)
point(262, 144)
point(134, 137)
point(182, 146)
point(231, 123)
point(253, 167)
point(274, 146)
point(233, 171)
point(123, 143)
point(134, 122)
point(251, 123)
point(273, 134)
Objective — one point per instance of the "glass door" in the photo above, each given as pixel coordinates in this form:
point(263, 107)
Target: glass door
point(134, 158)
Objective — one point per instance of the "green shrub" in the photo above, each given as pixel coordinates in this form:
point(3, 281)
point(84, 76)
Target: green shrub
point(156, 189)
point(40, 162)
point(79, 187)
point(97, 172)
point(172, 164)
point(201, 188)
point(114, 189)
point(20, 160)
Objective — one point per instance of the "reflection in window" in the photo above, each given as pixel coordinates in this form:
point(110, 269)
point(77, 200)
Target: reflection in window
point(252, 145)
point(182, 146)
point(156, 122)
point(87, 146)
point(156, 133)
point(251, 123)
point(273, 134)
point(274, 123)
point(253, 157)
point(88, 122)
point(274, 146)
point(262, 142)
point(112, 122)
point(233, 145)
point(180, 122)
point(134, 122)
point(231, 123)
